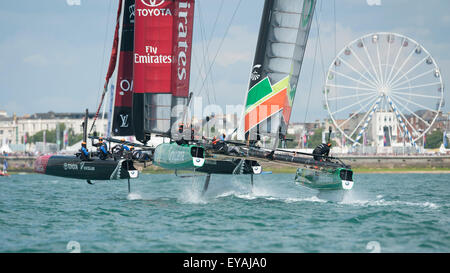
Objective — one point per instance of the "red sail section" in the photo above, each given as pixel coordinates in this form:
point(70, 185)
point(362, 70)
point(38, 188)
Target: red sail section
point(162, 46)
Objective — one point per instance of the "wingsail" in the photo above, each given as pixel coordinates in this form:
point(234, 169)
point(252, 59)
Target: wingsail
point(122, 117)
point(276, 67)
point(161, 69)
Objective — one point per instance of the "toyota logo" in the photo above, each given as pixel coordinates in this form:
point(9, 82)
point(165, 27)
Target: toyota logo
point(152, 3)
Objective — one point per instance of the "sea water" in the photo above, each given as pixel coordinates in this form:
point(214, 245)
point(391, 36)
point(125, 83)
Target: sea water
point(165, 213)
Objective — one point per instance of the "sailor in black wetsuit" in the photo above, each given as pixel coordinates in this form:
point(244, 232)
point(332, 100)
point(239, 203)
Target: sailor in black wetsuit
point(102, 150)
point(84, 153)
point(120, 149)
point(321, 151)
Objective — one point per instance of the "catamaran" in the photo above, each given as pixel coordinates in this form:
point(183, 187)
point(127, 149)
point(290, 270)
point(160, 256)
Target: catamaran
point(280, 49)
point(153, 72)
point(151, 55)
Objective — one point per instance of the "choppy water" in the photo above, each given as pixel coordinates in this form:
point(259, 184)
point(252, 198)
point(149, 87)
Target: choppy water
point(384, 212)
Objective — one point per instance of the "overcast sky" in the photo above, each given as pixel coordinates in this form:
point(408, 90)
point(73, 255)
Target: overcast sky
point(54, 53)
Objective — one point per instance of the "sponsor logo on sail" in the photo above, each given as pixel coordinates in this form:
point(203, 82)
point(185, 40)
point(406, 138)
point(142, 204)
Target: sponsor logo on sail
point(152, 57)
point(255, 74)
point(152, 3)
point(125, 86)
point(124, 119)
point(182, 39)
point(132, 10)
point(154, 9)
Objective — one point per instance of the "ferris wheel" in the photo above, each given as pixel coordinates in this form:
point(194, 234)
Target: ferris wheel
point(384, 88)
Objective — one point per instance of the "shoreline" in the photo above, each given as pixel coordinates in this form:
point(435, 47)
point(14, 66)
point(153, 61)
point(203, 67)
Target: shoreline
point(289, 172)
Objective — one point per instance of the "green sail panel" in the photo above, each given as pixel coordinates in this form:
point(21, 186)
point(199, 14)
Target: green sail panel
point(281, 45)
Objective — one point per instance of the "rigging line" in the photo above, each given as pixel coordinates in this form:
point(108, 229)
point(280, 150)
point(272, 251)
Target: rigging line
point(221, 42)
point(312, 76)
point(102, 62)
point(198, 63)
point(206, 59)
point(320, 44)
point(211, 35)
point(204, 54)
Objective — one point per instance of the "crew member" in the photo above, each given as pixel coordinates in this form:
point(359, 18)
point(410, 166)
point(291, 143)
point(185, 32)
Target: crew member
point(102, 149)
point(84, 155)
point(130, 153)
point(321, 152)
point(119, 149)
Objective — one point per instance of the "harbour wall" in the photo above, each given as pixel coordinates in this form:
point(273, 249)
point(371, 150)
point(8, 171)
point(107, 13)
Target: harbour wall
point(394, 162)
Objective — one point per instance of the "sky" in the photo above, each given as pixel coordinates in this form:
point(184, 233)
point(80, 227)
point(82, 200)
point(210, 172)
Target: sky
point(54, 53)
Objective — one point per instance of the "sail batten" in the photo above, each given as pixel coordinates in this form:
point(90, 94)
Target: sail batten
point(283, 35)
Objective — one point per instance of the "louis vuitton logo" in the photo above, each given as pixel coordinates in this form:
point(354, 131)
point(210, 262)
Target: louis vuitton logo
point(124, 120)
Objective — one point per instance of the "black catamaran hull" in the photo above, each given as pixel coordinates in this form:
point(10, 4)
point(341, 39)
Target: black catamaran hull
point(95, 169)
point(230, 166)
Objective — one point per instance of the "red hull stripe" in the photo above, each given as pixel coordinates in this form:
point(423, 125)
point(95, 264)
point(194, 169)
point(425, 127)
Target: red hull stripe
point(40, 165)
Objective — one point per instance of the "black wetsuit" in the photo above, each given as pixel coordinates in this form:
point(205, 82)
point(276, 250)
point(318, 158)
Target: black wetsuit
point(322, 149)
point(84, 154)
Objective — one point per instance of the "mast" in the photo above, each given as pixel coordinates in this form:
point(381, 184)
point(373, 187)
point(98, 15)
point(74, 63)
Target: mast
point(161, 69)
point(276, 67)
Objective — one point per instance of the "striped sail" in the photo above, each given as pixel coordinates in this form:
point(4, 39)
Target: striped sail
point(283, 35)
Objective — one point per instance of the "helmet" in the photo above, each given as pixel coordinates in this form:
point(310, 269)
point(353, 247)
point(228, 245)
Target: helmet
point(131, 147)
point(329, 144)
